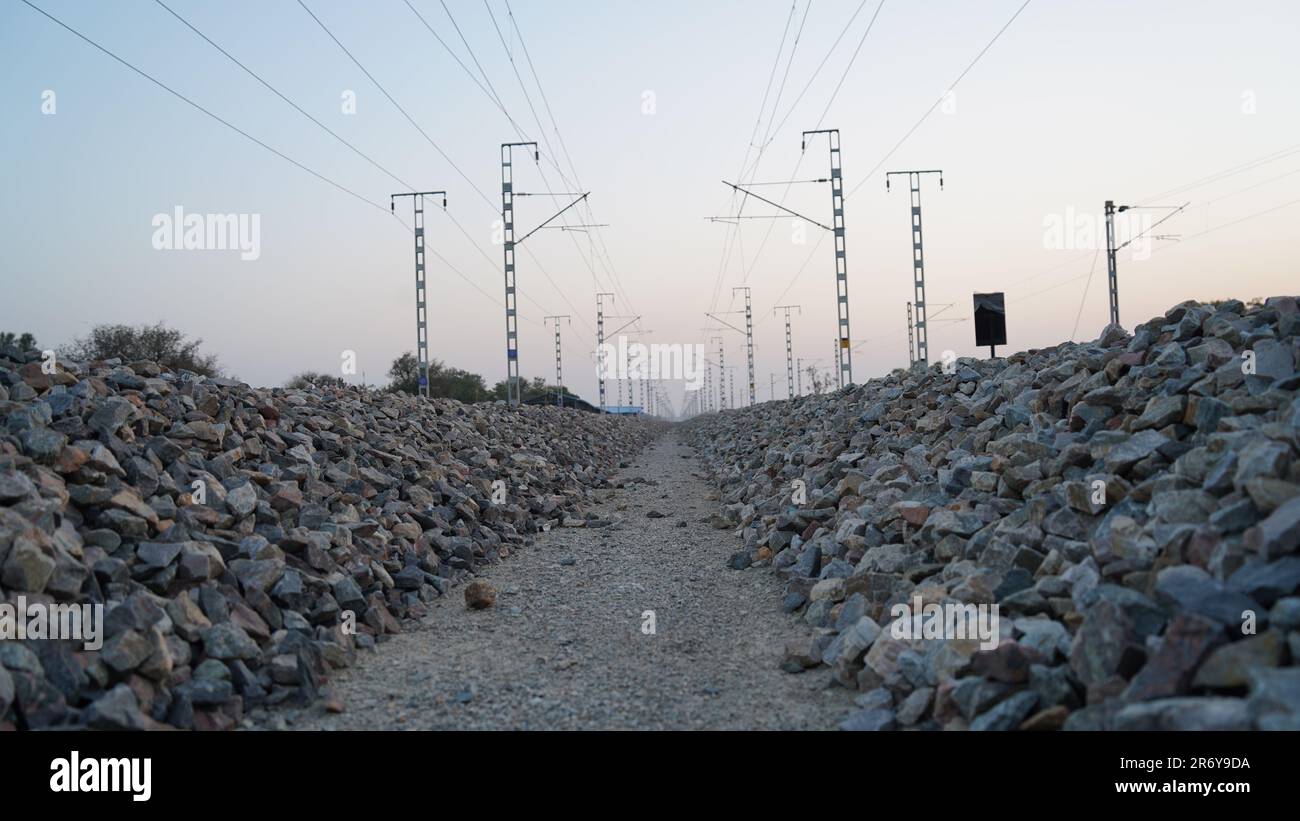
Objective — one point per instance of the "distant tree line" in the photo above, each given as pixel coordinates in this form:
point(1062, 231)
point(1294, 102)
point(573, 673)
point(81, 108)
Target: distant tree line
point(454, 383)
point(172, 349)
point(156, 343)
point(23, 341)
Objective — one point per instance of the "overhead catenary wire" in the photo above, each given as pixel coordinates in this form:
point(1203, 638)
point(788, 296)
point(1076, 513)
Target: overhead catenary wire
point(421, 130)
point(614, 279)
point(729, 237)
point(398, 106)
point(939, 101)
point(209, 113)
point(337, 137)
point(611, 273)
point(843, 76)
point(1082, 300)
point(492, 95)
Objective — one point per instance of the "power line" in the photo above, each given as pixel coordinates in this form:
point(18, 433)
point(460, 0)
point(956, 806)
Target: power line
point(1237, 221)
point(843, 76)
point(729, 239)
point(216, 117)
point(1084, 298)
point(418, 128)
point(937, 102)
point(817, 71)
point(576, 183)
point(492, 95)
point(323, 127)
point(398, 106)
point(1250, 165)
point(277, 93)
point(852, 60)
point(546, 183)
point(616, 283)
point(250, 137)
point(610, 270)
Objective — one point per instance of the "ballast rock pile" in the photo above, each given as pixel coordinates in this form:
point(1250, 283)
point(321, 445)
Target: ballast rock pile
point(1131, 505)
point(246, 542)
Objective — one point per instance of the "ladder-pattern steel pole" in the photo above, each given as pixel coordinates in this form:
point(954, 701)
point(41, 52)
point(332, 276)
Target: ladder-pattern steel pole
point(722, 374)
point(513, 392)
point(789, 350)
point(421, 291)
point(843, 353)
point(922, 329)
point(749, 338)
point(421, 316)
point(601, 363)
point(1112, 274)
point(559, 372)
point(911, 338)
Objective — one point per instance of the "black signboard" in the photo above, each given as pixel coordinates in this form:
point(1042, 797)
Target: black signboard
point(990, 319)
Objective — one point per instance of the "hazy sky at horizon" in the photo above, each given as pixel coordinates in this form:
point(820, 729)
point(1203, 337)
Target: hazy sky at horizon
point(1076, 103)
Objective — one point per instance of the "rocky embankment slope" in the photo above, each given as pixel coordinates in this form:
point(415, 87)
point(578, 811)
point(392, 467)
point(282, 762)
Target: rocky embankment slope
point(1131, 505)
point(245, 542)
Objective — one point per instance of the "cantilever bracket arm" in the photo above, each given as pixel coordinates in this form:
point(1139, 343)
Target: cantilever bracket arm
point(776, 205)
point(724, 322)
point(553, 216)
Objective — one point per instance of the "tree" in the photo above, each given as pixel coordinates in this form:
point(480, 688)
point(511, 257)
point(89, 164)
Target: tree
point(454, 383)
point(155, 343)
point(818, 385)
point(23, 342)
point(320, 380)
point(528, 389)
point(404, 375)
point(444, 382)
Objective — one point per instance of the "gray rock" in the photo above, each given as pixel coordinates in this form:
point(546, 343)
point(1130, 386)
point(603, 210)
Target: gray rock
point(118, 709)
point(229, 641)
point(875, 719)
point(1185, 714)
point(1279, 534)
point(1191, 588)
point(1007, 714)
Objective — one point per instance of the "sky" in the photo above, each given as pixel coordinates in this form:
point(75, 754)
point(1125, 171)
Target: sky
point(649, 107)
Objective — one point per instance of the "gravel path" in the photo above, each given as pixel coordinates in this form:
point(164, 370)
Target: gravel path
point(564, 648)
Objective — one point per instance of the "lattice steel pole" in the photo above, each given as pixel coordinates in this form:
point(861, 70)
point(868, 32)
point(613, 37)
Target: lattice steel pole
point(601, 363)
point(421, 309)
point(749, 338)
point(722, 375)
point(918, 259)
point(508, 240)
point(789, 349)
point(559, 372)
point(843, 353)
point(911, 339)
point(1112, 274)
point(709, 386)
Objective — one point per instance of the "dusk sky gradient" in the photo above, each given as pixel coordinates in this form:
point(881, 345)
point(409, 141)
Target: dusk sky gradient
point(1076, 103)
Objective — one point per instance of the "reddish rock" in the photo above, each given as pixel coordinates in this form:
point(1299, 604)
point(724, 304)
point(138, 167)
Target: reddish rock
point(1008, 662)
point(479, 595)
point(1188, 639)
